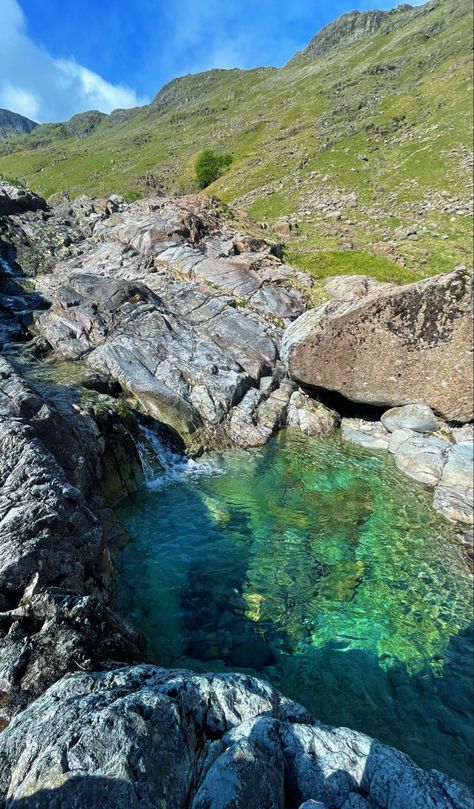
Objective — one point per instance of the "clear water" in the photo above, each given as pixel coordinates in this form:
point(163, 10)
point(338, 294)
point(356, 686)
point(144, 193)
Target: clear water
point(318, 567)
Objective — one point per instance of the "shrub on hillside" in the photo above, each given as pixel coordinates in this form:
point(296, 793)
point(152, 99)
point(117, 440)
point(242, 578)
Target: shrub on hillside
point(209, 166)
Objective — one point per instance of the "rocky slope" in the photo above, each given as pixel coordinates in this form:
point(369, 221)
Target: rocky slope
point(168, 313)
point(363, 141)
point(11, 123)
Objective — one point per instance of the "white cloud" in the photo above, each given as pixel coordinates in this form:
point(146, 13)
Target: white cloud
point(37, 85)
point(19, 100)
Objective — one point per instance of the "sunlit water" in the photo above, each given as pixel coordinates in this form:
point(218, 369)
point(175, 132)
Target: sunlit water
point(320, 568)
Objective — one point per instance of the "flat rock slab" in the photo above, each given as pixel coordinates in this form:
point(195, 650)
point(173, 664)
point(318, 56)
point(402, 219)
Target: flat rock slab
point(418, 456)
point(367, 434)
point(143, 737)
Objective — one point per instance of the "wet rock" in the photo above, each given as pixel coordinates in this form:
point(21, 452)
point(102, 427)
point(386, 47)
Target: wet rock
point(58, 534)
point(143, 736)
point(401, 346)
point(417, 417)
point(51, 633)
point(257, 417)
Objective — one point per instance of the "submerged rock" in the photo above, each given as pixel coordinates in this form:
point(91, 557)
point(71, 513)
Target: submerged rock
point(148, 737)
point(400, 346)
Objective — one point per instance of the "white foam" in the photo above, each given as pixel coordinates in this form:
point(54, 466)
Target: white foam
point(161, 466)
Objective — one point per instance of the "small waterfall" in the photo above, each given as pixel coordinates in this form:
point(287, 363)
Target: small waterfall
point(7, 267)
point(162, 465)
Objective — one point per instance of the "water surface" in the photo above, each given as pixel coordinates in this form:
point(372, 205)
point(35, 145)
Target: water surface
point(320, 568)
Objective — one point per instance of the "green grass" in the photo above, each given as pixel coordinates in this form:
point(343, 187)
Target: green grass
point(289, 128)
point(325, 263)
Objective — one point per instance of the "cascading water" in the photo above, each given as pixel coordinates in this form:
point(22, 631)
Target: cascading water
point(162, 465)
point(318, 567)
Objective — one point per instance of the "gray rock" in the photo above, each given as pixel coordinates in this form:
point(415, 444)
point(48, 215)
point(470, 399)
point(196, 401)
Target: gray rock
point(182, 311)
point(418, 456)
point(14, 199)
point(367, 434)
point(400, 346)
point(309, 416)
point(146, 737)
point(417, 417)
point(454, 493)
point(349, 287)
point(257, 417)
point(56, 537)
point(461, 434)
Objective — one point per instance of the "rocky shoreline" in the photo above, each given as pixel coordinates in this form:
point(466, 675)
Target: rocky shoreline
point(173, 313)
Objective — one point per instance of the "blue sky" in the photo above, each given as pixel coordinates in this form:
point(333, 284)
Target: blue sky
point(59, 57)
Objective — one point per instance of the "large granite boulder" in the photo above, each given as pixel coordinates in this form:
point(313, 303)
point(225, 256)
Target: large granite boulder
point(144, 737)
point(398, 346)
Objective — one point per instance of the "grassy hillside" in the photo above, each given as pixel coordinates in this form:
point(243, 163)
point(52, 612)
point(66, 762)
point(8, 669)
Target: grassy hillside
point(363, 140)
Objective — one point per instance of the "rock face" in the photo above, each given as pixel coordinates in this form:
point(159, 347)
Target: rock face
point(11, 123)
point(399, 346)
point(56, 537)
point(180, 308)
point(147, 737)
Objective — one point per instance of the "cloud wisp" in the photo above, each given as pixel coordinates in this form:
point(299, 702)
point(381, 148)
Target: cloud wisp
point(35, 84)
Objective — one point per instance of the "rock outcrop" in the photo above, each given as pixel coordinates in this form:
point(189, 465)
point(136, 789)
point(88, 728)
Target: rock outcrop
point(442, 460)
point(411, 344)
point(147, 737)
point(183, 310)
point(57, 534)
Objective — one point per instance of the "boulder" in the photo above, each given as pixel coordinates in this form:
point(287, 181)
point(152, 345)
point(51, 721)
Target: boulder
point(14, 199)
point(142, 737)
point(454, 494)
point(348, 287)
point(417, 417)
point(407, 345)
point(310, 416)
point(419, 456)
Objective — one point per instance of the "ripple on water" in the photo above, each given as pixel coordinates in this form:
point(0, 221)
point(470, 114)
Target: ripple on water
point(319, 567)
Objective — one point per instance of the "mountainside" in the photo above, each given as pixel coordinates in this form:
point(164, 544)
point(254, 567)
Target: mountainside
point(11, 123)
point(361, 144)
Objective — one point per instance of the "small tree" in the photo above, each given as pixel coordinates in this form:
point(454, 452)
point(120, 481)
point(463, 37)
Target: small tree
point(209, 166)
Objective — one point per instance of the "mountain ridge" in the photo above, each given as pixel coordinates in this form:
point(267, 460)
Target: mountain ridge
point(12, 123)
point(357, 146)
